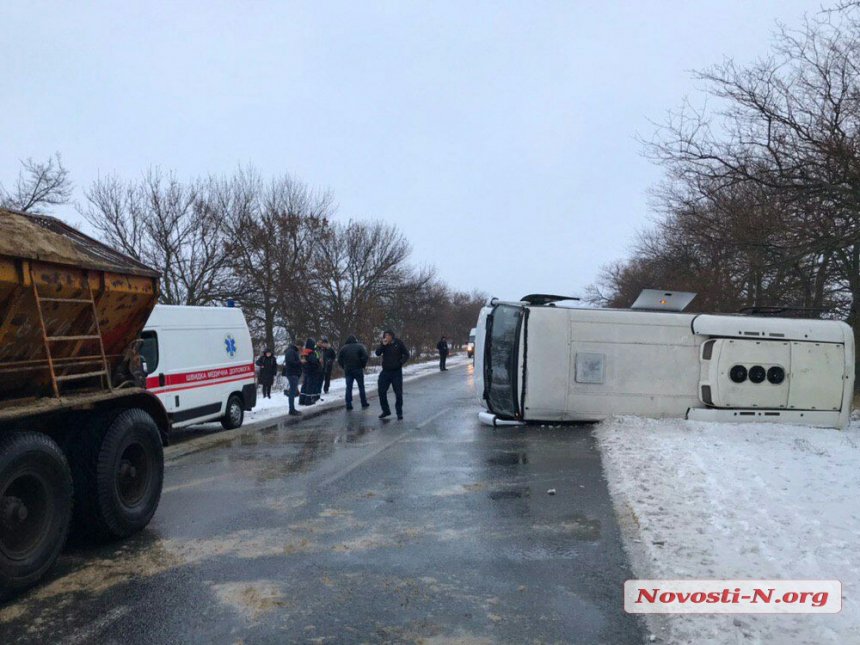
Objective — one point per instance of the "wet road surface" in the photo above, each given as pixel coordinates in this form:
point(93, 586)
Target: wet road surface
point(345, 528)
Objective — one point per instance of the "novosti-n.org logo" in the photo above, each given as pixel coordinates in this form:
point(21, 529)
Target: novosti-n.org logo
point(732, 596)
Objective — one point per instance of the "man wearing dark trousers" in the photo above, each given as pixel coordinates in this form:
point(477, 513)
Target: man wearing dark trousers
point(442, 346)
point(268, 365)
point(352, 357)
point(292, 371)
point(328, 358)
point(394, 356)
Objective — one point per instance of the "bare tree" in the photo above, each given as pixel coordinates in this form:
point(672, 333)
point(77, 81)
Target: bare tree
point(40, 184)
point(357, 268)
point(273, 247)
point(273, 232)
point(174, 227)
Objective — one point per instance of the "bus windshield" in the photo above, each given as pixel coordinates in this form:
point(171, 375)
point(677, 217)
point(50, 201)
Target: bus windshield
point(501, 358)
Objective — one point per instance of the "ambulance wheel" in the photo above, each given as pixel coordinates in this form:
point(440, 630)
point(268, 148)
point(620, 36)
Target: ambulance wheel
point(235, 414)
point(35, 507)
point(119, 472)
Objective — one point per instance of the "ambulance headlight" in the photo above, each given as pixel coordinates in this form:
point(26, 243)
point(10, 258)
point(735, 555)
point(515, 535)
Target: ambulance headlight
point(757, 374)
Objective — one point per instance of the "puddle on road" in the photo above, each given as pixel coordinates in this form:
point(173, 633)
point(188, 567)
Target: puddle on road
point(267, 467)
point(354, 433)
point(510, 493)
point(460, 489)
point(315, 444)
point(284, 435)
point(508, 459)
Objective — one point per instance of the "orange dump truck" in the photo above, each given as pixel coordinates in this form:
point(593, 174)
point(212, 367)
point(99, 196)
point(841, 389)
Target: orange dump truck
point(80, 439)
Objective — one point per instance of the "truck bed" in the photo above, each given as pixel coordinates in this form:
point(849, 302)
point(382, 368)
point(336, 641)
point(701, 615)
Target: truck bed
point(70, 309)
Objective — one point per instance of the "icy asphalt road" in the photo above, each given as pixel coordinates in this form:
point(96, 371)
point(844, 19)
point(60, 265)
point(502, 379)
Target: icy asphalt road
point(344, 528)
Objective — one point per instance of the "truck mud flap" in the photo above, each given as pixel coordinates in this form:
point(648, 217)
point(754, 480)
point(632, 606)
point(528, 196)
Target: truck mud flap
point(249, 396)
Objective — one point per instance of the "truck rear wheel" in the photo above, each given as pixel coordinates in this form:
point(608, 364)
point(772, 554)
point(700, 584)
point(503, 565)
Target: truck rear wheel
point(119, 473)
point(35, 507)
point(235, 413)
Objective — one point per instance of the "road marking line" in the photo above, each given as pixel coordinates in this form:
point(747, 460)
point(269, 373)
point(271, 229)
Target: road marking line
point(382, 448)
point(431, 419)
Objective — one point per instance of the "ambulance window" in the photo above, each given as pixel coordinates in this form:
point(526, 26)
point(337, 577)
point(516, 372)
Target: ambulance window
point(149, 350)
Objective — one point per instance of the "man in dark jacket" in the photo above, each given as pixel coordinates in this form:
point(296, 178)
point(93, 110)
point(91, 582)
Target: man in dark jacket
point(442, 346)
point(394, 356)
point(329, 356)
point(292, 371)
point(352, 357)
point(268, 368)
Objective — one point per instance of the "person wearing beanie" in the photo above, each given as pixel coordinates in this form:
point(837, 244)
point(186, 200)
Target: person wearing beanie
point(394, 356)
point(268, 365)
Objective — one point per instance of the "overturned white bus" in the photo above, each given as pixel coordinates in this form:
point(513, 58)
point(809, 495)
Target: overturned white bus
point(540, 361)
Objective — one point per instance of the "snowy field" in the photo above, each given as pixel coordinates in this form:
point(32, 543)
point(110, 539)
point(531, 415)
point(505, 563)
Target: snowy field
point(707, 500)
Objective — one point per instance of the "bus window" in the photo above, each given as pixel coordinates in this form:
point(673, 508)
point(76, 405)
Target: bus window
point(501, 359)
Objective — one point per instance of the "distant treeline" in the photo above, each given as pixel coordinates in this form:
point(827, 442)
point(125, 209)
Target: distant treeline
point(761, 200)
point(272, 246)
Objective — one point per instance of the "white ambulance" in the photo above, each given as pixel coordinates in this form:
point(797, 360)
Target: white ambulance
point(538, 360)
point(200, 363)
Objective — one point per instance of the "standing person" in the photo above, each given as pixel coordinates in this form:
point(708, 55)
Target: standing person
point(352, 357)
point(329, 356)
point(394, 356)
point(268, 368)
point(442, 346)
point(292, 372)
point(311, 370)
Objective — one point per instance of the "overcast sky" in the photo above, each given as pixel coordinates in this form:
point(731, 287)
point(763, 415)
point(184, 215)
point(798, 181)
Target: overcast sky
point(500, 137)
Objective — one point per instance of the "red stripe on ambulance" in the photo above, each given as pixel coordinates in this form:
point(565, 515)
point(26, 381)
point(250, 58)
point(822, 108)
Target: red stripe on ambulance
point(206, 377)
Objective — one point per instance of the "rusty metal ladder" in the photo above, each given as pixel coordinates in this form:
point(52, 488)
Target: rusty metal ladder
point(81, 339)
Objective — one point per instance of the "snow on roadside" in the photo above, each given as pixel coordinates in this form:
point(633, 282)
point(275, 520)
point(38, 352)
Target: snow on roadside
point(708, 500)
point(279, 405)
